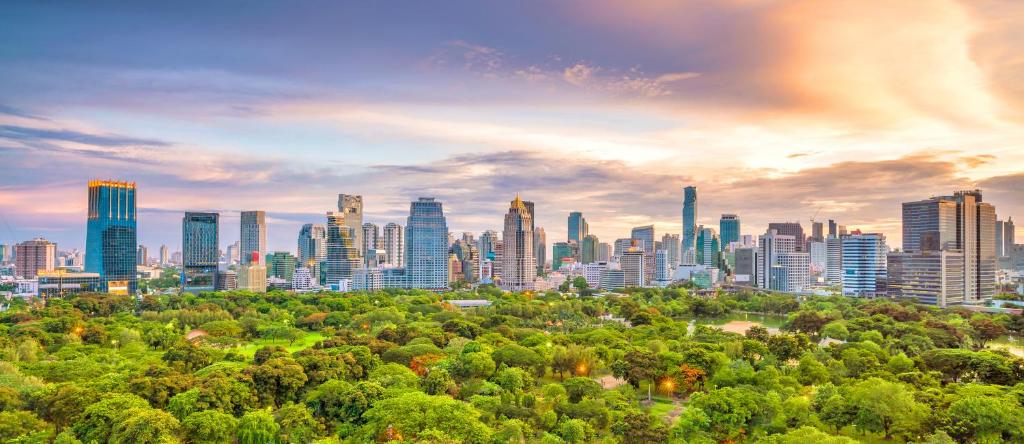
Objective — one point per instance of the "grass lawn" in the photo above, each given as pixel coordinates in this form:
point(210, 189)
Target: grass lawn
point(307, 341)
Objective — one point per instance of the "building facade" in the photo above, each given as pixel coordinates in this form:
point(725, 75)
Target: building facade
point(312, 249)
point(864, 264)
point(342, 252)
point(728, 229)
point(111, 238)
point(253, 233)
point(519, 266)
point(200, 252)
point(34, 256)
point(394, 245)
point(426, 245)
point(689, 222)
point(351, 206)
point(578, 228)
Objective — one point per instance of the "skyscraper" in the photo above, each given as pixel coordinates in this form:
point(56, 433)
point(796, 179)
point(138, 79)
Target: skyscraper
point(394, 245)
point(486, 244)
point(708, 249)
point(634, 266)
point(165, 258)
point(142, 256)
point(817, 231)
point(426, 245)
point(6, 252)
point(540, 246)
point(729, 229)
point(200, 251)
point(253, 235)
point(864, 264)
point(342, 254)
point(111, 239)
point(689, 221)
point(646, 235)
point(1009, 237)
point(561, 251)
point(671, 244)
point(352, 207)
point(281, 264)
point(312, 249)
point(34, 256)
point(371, 237)
point(834, 260)
point(519, 266)
point(588, 249)
point(791, 229)
point(961, 222)
point(578, 228)
point(772, 272)
point(1000, 244)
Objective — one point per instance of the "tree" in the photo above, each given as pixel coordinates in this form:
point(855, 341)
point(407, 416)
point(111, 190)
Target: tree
point(19, 423)
point(576, 431)
point(986, 419)
point(515, 355)
point(637, 427)
point(209, 426)
point(146, 426)
point(810, 371)
point(257, 427)
point(807, 434)
point(580, 283)
point(187, 357)
point(578, 387)
point(278, 380)
point(984, 330)
point(837, 412)
point(297, 424)
point(410, 414)
point(635, 366)
point(883, 406)
point(99, 419)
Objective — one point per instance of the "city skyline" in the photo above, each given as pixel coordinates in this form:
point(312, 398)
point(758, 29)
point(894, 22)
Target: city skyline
point(584, 114)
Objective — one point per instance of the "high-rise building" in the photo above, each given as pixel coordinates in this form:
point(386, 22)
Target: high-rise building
point(817, 231)
point(165, 258)
point(6, 254)
point(351, 206)
point(426, 245)
point(708, 249)
point(227, 280)
point(34, 256)
point(200, 252)
point(578, 228)
point(745, 269)
point(791, 229)
point(1009, 237)
point(772, 246)
point(253, 235)
point(621, 246)
point(645, 234)
point(662, 268)
point(371, 237)
point(930, 277)
point(233, 255)
point(486, 244)
point(562, 252)
point(142, 256)
point(302, 279)
point(961, 222)
point(819, 257)
point(588, 249)
point(689, 221)
point(1000, 244)
point(252, 274)
point(519, 266)
point(864, 265)
point(834, 260)
point(281, 264)
point(671, 244)
point(728, 229)
point(540, 248)
point(604, 251)
point(792, 272)
point(312, 249)
point(499, 260)
point(532, 209)
point(111, 237)
point(342, 253)
point(394, 245)
point(633, 266)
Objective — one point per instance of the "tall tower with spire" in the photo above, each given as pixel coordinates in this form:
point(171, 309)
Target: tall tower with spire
point(519, 261)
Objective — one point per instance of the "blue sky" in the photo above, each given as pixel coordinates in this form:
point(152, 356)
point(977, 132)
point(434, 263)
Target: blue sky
point(773, 109)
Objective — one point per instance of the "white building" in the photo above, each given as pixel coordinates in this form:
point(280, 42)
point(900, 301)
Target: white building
point(302, 280)
point(864, 264)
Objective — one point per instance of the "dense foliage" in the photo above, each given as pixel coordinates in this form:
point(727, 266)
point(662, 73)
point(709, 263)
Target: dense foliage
point(550, 368)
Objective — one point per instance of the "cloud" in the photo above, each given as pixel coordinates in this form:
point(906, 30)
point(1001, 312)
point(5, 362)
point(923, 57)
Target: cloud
point(27, 134)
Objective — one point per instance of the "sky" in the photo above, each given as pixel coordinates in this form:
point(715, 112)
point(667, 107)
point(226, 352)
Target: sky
point(774, 110)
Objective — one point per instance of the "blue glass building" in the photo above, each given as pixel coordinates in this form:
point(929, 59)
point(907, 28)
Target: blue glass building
point(426, 245)
point(578, 228)
point(728, 229)
point(111, 242)
point(200, 251)
point(689, 220)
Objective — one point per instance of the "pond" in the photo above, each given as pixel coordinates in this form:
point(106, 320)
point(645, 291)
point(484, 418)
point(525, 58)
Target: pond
point(739, 322)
